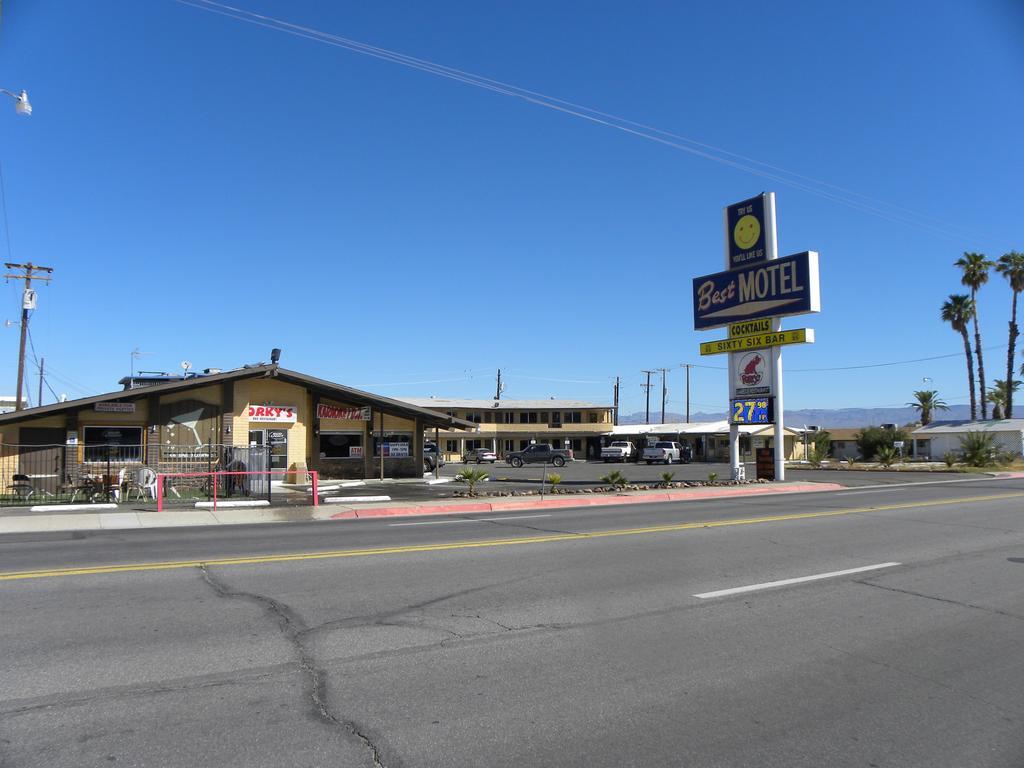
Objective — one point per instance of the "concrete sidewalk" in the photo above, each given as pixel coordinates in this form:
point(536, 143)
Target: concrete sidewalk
point(118, 520)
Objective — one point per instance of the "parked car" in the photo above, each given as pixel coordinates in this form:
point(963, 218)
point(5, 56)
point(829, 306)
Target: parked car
point(539, 454)
point(663, 450)
point(432, 458)
point(479, 455)
point(620, 450)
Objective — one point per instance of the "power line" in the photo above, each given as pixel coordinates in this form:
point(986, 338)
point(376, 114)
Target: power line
point(873, 206)
point(854, 367)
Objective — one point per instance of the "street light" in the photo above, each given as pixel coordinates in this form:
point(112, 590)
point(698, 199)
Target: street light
point(21, 103)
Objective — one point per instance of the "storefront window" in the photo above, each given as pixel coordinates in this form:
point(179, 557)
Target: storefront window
point(397, 445)
point(340, 445)
point(113, 443)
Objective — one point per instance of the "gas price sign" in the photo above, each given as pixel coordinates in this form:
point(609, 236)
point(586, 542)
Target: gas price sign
point(752, 410)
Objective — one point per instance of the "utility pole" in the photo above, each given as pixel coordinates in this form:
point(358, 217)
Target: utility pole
point(687, 366)
point(647, 389)
point(42, 365)
point(615, 411)
point(28, 301)
point(497, 392)
point(664, 393)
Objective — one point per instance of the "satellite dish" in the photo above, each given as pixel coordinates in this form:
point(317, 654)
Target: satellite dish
point(185, 365)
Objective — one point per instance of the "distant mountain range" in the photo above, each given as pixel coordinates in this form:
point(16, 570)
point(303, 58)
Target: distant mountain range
point(822, 417)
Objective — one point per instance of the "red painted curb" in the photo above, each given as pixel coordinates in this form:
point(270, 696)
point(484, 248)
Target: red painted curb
point(581, 501)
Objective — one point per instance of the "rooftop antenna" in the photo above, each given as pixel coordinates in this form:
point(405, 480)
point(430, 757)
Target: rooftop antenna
point(185, 365)
point(136, 354)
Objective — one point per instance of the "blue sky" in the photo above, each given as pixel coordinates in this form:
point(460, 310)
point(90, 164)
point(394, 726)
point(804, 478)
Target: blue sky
point(207, 189)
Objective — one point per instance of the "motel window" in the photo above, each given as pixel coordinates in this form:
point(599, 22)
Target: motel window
point(473, 416)
point(506, 417)
point(577, 445)
point(528, 417)
point(473, 444)
point(487, 417)
point(340, 445)
point(594, 417)
point(524, 444)
point(543, 417)
point(510, 445)
point(556, 418)
point(113, 443)
point(573, 417)
point(451, 446)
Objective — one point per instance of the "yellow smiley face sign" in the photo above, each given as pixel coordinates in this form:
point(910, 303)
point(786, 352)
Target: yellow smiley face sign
point(747, 231)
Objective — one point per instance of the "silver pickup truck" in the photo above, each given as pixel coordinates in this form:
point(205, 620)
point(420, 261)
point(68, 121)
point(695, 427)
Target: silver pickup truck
point(620, 450)
point(663, 450)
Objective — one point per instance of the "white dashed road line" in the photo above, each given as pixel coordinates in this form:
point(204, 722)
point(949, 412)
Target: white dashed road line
point(798, 580)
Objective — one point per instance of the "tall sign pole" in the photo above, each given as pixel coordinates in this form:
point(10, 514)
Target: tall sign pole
point(29, 272)
point(757, 289)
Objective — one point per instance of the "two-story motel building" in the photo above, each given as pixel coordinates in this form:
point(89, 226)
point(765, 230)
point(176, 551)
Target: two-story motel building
point(511, 425)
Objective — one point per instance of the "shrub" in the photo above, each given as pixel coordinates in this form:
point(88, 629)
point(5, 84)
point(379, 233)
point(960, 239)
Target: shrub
point(886, 455)
point(978, 449)
point(851, 461)
point(554, 478)
point(712, 477)
point(666, 478)
point(815, 456)
point(471, 477)
point(616, 479)
point(870, 439)
point(950, 458)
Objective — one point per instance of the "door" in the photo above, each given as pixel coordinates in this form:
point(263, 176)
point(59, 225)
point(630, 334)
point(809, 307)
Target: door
point(41, 457)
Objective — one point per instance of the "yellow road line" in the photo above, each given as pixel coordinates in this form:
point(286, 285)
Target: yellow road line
point(261, 559)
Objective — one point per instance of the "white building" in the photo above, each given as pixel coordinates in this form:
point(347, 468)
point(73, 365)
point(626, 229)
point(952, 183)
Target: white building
point(941, 437)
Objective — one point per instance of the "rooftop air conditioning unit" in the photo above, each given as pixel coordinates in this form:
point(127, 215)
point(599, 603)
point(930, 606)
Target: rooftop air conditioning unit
point(812, 428)
point(889, 426)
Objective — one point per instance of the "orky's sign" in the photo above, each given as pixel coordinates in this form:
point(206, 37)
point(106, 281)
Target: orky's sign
point(274, 414)
point(776, 288)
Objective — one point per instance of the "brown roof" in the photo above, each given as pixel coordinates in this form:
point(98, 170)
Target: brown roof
point(321, 386)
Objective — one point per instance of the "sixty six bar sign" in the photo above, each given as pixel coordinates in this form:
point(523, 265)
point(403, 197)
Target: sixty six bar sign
point(776, 288)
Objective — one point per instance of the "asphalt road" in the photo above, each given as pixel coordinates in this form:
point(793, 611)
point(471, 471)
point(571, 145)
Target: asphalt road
point(579, 638)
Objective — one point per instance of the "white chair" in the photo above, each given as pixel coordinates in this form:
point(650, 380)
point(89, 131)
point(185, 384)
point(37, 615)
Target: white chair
point(143, 483)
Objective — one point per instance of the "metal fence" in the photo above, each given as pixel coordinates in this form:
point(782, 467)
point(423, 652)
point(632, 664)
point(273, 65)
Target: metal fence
point(119, 473)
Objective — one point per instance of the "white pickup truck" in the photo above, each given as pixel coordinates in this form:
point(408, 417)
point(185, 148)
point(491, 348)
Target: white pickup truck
point(663, 450)
point(620, 450)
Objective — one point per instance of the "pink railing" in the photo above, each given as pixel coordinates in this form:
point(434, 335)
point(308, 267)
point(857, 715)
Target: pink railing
point(215, 475)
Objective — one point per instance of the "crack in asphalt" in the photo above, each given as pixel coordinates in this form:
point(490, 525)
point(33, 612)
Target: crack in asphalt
point(502, 524)
point(292, 627)
point(382, 618)
point(146, 689)
point(940, 599)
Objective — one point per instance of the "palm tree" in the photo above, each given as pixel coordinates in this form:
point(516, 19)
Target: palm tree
point(927, 402)
point(1011, 266)
point(975, 267)
point(958, 311)
point(1000, 396)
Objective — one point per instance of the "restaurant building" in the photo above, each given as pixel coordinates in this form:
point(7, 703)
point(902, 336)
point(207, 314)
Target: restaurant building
point(199, 422)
